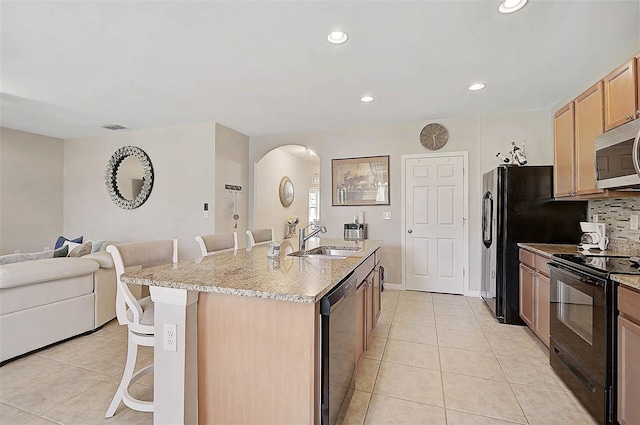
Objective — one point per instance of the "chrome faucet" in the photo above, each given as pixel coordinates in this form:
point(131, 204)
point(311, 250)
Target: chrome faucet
point(302, 237)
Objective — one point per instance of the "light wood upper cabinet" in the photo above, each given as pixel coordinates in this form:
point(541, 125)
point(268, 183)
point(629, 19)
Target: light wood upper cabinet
point(620, 92)
point(589, 123)
point(564, 149)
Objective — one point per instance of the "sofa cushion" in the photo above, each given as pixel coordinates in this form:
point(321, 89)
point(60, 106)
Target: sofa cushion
point(29, 272)
point(104, 259)
point(61, 240)
point(25, 297)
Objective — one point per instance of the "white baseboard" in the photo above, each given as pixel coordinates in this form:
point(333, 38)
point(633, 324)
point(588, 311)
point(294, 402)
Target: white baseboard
point(398, 287)
point(393, 286)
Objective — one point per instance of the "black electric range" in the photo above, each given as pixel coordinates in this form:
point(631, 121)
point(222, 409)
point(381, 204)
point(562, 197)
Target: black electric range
point(600, 265)
point(582, 327)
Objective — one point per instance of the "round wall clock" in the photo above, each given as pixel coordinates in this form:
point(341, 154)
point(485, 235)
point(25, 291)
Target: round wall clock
point(434, 136)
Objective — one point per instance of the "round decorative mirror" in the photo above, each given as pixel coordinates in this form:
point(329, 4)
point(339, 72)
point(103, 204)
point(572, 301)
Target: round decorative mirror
point(129, 177)
point(286, 191)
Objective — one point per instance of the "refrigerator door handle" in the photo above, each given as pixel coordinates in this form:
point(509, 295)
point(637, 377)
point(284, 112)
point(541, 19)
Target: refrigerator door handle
point(487, 219)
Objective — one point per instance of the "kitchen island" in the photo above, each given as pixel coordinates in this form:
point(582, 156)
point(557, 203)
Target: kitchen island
point(237, 333)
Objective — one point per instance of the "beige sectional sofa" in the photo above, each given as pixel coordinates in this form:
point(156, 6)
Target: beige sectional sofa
point(49, 300)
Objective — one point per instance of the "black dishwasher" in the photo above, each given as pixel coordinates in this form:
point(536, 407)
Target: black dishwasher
point(337, 348)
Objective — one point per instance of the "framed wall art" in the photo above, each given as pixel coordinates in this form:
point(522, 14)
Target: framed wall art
point(360, 181)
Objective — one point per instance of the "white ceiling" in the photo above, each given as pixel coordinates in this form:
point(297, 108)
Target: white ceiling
point(266, 68)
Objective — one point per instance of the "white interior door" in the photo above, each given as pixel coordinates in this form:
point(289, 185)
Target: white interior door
point(434, 224)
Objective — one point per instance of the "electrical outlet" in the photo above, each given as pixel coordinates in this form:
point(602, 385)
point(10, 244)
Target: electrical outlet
point(633, 222)
point(386, 215)
point(169, 340)
point(595, 218)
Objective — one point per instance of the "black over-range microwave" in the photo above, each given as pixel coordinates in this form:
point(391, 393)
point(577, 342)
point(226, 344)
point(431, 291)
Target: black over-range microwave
point(618, 156)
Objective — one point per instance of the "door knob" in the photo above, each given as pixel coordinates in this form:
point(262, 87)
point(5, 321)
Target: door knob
point(409, 231)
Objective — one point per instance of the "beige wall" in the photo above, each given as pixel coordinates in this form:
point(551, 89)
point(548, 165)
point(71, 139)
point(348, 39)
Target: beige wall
point(31, 169)
point(231, 167)
point(183, 161)
point(267, 175)
point(480, 136)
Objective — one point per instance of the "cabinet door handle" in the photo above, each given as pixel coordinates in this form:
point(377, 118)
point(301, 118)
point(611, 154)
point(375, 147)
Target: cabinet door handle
point(409, 231)
point(638, 113)
point(629, 117)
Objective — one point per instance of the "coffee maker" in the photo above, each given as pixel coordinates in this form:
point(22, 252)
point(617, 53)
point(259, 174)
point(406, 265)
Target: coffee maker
point(593, 236)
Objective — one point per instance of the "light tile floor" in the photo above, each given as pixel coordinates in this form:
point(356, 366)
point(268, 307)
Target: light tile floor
point(434, 359)
point(444, 360)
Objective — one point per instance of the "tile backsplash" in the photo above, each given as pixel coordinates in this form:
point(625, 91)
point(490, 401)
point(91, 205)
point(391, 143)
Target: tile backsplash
point(616, 213)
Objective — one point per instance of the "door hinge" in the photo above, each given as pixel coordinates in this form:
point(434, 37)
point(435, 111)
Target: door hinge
point(464, 272)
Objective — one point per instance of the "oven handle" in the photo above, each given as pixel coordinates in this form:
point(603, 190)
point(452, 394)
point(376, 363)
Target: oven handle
point(577, 276)
point(575, 371)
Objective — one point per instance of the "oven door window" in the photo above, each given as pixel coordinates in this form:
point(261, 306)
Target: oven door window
point(575, 310)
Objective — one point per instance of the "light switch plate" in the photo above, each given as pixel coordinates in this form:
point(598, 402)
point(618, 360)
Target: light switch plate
point(595, 218)
point(633, 222)
point(386, 215)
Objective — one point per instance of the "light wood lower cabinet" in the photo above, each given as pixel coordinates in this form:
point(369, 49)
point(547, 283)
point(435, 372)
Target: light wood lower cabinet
point(534, 293)
point(527, 294)
point(542, 307)
point(628, 357)
point(368, 297)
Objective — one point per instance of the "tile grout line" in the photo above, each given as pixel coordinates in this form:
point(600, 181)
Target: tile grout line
point(444, 398)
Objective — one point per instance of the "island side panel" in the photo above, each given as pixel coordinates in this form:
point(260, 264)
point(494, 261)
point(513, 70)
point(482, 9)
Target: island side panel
point(257, 360)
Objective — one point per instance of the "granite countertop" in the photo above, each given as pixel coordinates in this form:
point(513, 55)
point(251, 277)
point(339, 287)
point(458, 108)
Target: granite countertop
point(548, 250)
point(252, 274)
point(630, 281)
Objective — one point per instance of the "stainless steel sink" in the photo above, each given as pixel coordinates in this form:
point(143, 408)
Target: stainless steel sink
point(334, 252)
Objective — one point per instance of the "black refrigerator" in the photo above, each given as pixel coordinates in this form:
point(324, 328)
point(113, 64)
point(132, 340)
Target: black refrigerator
point(518, 206)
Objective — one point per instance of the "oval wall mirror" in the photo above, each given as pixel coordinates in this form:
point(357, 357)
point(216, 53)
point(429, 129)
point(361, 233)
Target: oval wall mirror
point(286, 191)
point(129, 177)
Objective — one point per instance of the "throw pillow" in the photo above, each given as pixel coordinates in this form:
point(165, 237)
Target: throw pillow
point(61, 252)
point(61, 240)
point(96, 245)
point(80, 250)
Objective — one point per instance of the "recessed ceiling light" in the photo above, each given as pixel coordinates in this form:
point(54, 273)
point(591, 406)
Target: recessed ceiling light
point(476, 86)
point(337, 37)
point(366, 99)
point(510, 6)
